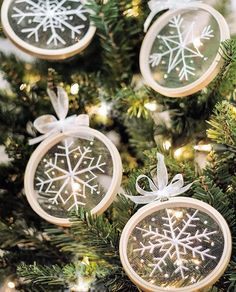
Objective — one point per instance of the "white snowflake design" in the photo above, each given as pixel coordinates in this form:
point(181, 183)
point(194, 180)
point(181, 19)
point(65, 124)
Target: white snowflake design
point(69, 175)
point(55, 16)
point(175, 243)
point(182, 46)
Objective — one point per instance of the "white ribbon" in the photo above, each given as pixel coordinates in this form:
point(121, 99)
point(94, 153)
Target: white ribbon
point(159, 186)
point(49, 125)
point(159, 5)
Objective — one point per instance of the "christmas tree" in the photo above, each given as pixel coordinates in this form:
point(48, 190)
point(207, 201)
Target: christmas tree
point(195, 132)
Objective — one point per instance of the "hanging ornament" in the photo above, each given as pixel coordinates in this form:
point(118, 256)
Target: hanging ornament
point(55, 29)
point(174, 244)
point(75, 166)
point(180, 52)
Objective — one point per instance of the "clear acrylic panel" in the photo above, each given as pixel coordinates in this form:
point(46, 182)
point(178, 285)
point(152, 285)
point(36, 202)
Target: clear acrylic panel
point(185, 48)
point(74, 173)
point(49, 24)
point(175, 247)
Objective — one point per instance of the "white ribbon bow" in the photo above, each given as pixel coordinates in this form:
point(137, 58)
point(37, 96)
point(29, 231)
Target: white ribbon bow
point(49, 125)
point(159, 186)
point(159, 5)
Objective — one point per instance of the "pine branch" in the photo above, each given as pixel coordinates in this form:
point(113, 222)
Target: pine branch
point(57, 277)
point(88, 236)
point(41, 275)
point(223, 124)
point(117, 54)
point(205, 190)
point(189, 115)
point(117, 281)
point(229, 70)
point(122, 209)
point(221, 170)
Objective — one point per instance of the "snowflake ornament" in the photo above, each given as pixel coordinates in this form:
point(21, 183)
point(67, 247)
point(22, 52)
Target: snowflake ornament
point(48, 28)
point(79, 168)
point(181, 243)
point(69, 174)
point(176, 243)
point(181, 48)
point(180, 52)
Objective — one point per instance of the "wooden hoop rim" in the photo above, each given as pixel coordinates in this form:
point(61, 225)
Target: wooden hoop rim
point(148, 41)
point(57, 54)
point(175, 202)
point(42, 149)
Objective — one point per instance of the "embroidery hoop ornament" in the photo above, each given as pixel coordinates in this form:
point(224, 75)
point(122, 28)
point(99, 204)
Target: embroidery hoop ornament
point(158, 206)
point(150, 37)
point(81, 130)
point(53, 54)
point(175, 202)
point(46, 145)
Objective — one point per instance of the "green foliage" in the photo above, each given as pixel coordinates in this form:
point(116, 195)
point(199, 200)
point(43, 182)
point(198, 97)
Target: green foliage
point(228, 85)
point(41, 275)
point(56, 277)
point(88, 236)
point(91, 236)
point(118, 54)
point(50, 258)
point(223, 124)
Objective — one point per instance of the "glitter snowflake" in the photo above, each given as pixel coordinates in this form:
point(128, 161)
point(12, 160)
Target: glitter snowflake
point(182, 46)
point(55, 16)
point(176, 243)
point(70, 175)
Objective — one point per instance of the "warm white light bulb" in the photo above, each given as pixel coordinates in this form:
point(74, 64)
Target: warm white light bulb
point(179, 263)
point(179, 214)
point(74, 88)
point(76, 187)
point(178, 153)
point(166, 145)
point(82, 285)
point(197, 262)
point(151, 106)
point(103, 109)
point(197, 43)
point(11, 285)
point(203, 148)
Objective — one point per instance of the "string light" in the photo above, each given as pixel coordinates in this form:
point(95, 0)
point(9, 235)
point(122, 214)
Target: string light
point(203, 148)
point(23, 86)
point(178, 152)
point(74, 88)
point(197, 263)
point(197, 43)
point(167, 145)
point(81, 286)
point(76, 187)
point(179, 263)
point(103, 110)
point(151, 106)
point(179, 214)
point(11, 285)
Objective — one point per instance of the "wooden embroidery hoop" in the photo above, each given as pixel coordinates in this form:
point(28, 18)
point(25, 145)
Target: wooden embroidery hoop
point(57, 54)
point(46, 145)
point(150, 37)
point(176, 202)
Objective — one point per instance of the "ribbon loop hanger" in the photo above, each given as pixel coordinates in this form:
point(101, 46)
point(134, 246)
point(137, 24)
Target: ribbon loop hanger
point(157, 6)
point(49, 125)
point(159, 188)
